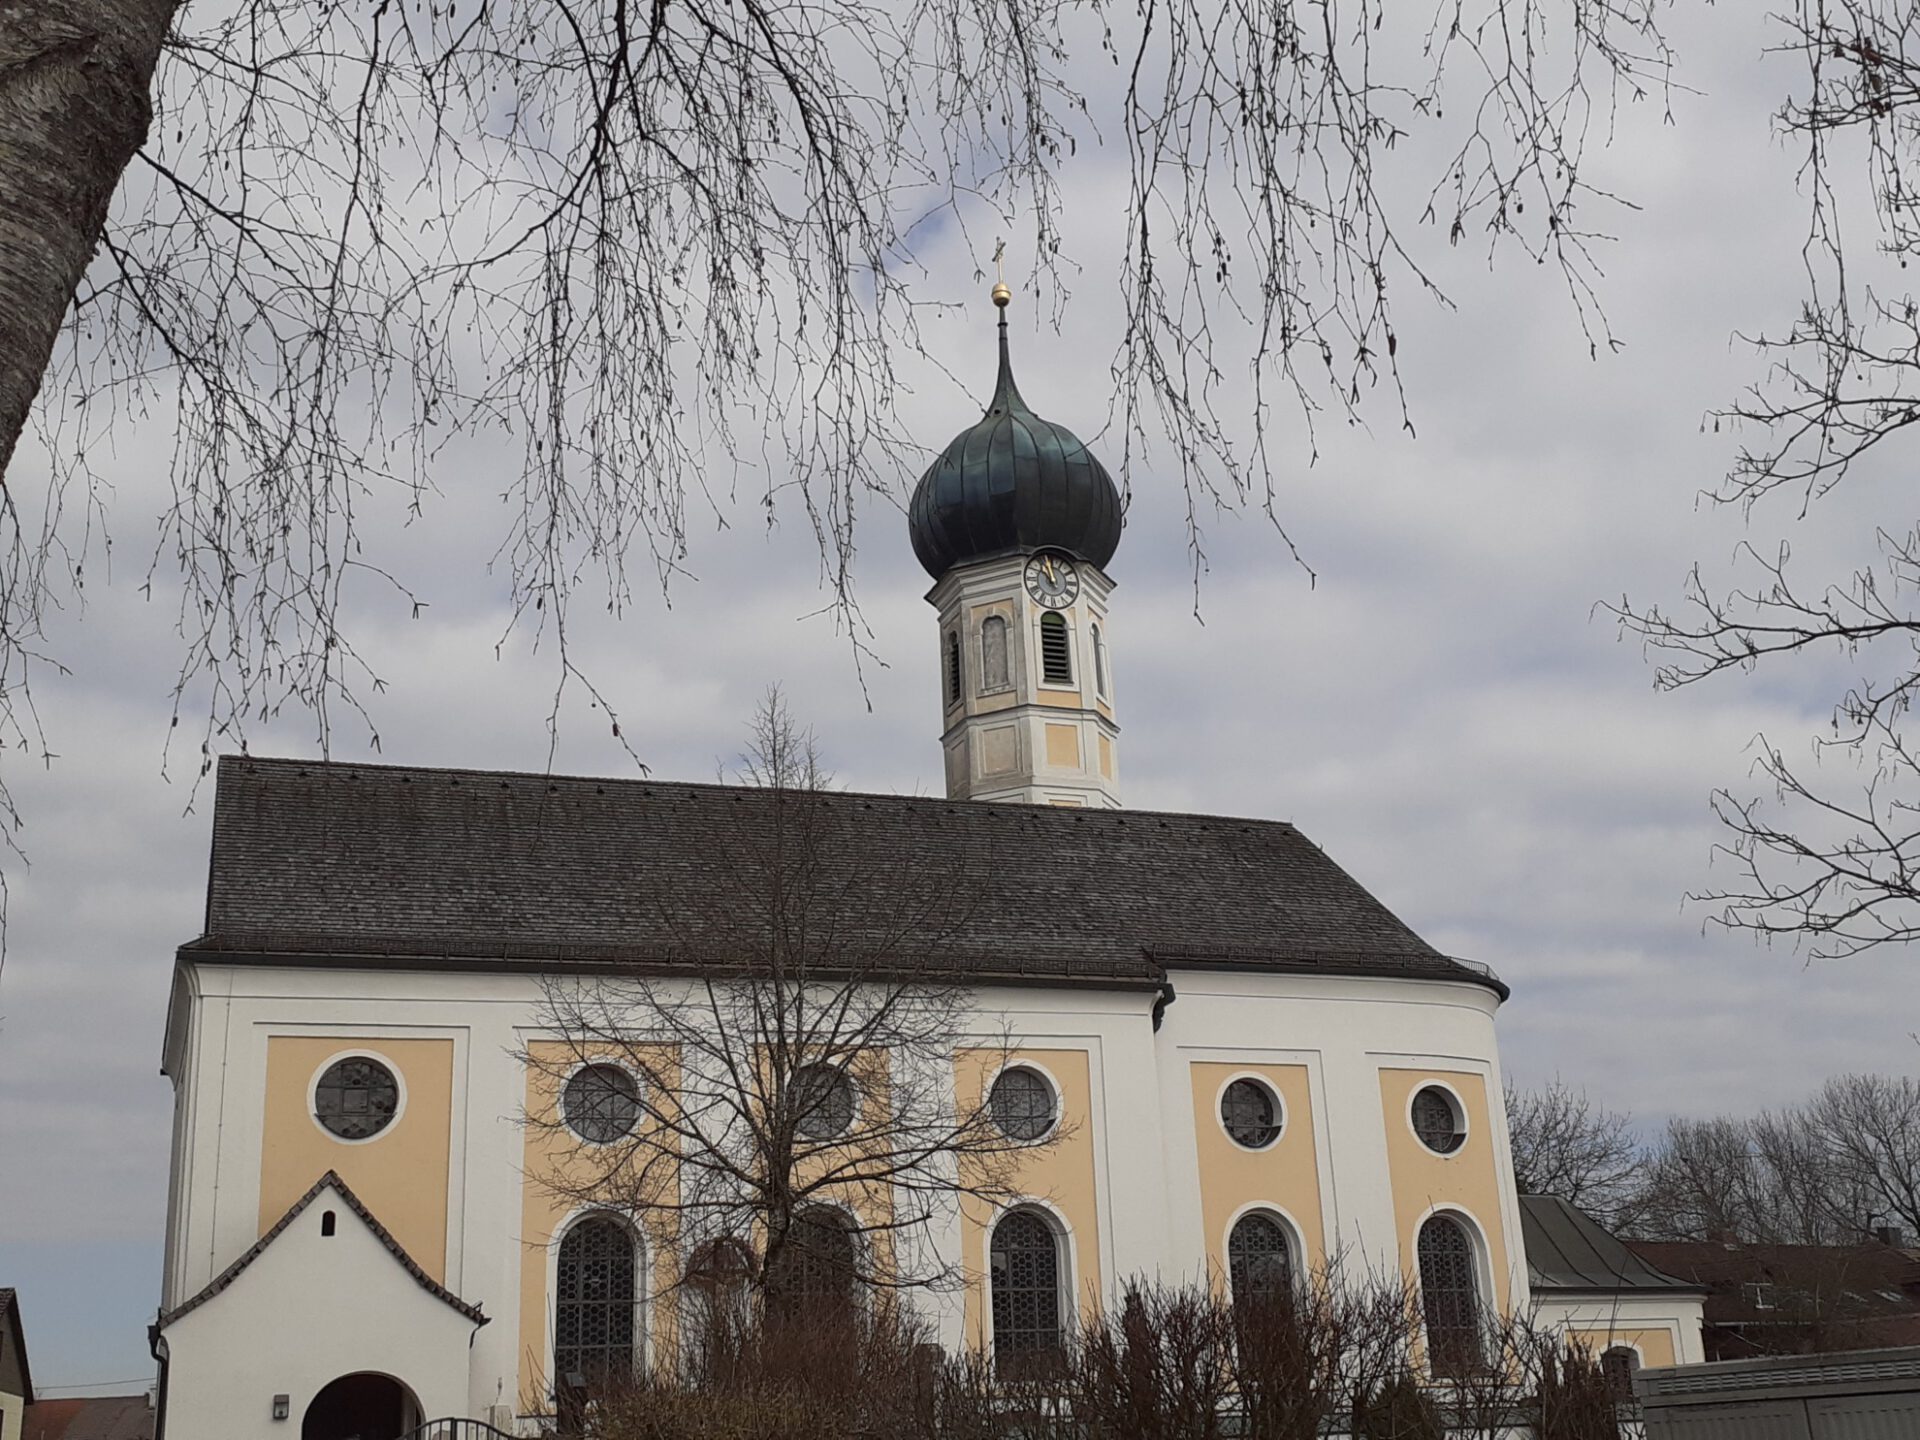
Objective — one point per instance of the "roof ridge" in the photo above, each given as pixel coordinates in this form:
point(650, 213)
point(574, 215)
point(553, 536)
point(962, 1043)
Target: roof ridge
point(1063, 812)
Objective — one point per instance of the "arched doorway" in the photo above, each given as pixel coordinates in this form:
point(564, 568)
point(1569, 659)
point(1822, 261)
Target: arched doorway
point(365, 1406)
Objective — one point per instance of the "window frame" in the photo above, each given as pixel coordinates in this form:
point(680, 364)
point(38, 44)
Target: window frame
point(1274, 1098)
point(1463, 1131)
point(988, 684)
point(1052, 1085)
point(1055, 620)
point(639, 1101)
point(1478, 1281)
point(841, 1073)
point(642, 1342)
point(386, 1063)
point(1289, 1236)
point(1065, 1270)
point(954, 668)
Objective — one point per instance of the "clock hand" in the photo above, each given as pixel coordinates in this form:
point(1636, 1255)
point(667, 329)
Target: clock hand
point(1052, 579)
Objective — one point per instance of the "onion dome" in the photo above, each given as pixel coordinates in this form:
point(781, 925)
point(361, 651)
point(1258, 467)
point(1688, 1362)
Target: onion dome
point(1013, 483)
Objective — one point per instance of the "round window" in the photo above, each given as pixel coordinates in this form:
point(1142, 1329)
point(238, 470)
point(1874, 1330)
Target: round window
point(601, 1103)
point(1022, 1104)
point(822, 1101)
point(356, 1098)
point(1436, 1120)
point(1251, 1114)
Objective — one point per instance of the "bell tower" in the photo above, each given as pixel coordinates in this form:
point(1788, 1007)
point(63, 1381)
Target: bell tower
point(1016, 522)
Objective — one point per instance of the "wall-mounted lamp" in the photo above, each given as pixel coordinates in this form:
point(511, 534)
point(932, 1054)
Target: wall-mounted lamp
point(280, 1407)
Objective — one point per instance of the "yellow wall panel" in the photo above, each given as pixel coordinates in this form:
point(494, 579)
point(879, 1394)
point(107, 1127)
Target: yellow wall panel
point(1063, 746)
point(399, 1174)
point(1468, 1178)
point(1284, 1176)
point(1061, 1174)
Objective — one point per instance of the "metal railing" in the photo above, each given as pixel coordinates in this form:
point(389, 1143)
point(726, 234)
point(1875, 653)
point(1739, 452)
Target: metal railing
point(455, 1427)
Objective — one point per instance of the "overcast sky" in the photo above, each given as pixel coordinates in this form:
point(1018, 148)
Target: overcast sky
point(1442, 711)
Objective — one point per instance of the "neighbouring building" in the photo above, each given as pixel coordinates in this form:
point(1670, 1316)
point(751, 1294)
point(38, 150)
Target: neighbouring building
point(16, 1376)
point(1588, 1282)
point(1797, 1299)
point(92, 1417)
point(1253, 1064)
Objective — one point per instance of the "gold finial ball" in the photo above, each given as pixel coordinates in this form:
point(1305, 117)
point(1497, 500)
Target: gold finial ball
point(1002, 296)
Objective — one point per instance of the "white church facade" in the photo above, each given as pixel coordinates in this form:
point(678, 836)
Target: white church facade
point(1242, 1064)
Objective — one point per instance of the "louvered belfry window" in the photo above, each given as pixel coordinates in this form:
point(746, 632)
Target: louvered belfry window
point(1025, 1264)
point(1056, 651)
point(1259, 1262)
point(594, 1295)
point(1449, 1297)
point(953, 667)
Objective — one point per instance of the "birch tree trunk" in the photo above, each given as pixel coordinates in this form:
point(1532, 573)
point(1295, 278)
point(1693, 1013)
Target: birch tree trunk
point(75, 77)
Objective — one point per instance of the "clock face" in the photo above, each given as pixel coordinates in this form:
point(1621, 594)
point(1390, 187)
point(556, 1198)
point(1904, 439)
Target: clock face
point(1052, 580)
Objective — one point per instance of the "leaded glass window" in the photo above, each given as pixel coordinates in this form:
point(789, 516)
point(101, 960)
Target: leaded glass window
point(601, 1103)
point(1250, 1114)
point(993, 654)
point(594, 1302)
point(1259, 1261)
point(814, 1273)
point(1025, 1264)
point(1449, 1296)
point(1022, 1104)
point(1618, 1365)
point(1436, 1121)
point(822, 1101)
point(356, 1098)
point(1056, 653)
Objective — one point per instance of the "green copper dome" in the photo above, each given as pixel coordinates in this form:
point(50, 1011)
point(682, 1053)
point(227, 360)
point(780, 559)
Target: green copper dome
point(1012, 483)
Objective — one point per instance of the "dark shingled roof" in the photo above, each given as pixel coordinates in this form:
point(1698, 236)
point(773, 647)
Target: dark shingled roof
point(1568, 1250)
point(390, 866)
point(329, 1181)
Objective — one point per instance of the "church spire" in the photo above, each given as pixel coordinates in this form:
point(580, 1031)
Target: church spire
point(1016, 522)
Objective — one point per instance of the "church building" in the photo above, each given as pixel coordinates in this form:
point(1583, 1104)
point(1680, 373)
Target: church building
point(1229, 1059)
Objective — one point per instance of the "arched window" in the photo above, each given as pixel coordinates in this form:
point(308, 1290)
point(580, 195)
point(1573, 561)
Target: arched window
point(815, 1272)
point(1056, 650)
point(953, 667)
point(1259, 1261)
point(1449, 1296)
point(1025, 1265)
point(1618, 1364)
point(993, 654)
point(718, 1279)
point(1099, 659)
point(594, 1302)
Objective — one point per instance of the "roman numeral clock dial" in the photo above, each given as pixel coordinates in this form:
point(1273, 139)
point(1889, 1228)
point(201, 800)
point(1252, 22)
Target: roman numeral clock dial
point(1052, 580)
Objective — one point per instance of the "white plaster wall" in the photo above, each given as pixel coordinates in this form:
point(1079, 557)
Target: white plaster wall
point(13, 1409)
point(1342, 1030)
point(1678, 1315)
point(309, 1309)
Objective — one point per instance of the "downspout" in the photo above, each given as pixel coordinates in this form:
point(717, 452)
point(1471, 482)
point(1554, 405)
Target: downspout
point(154, 1344)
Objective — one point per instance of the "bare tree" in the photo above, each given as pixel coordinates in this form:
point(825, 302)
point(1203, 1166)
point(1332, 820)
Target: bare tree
point(1828, 852)
point(783, 1100)
point(1565, 1145)
point(670, 254)
point(1868, 1131)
